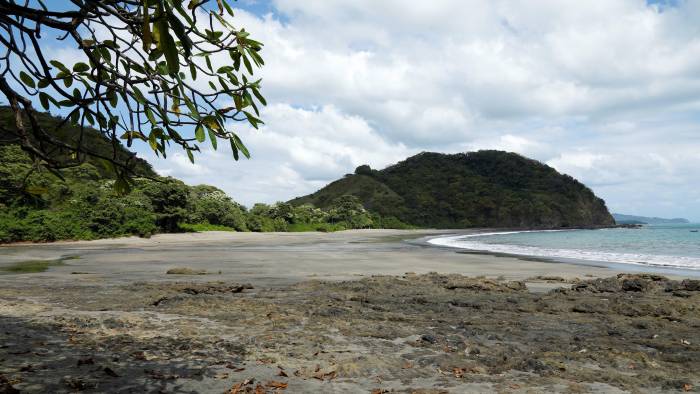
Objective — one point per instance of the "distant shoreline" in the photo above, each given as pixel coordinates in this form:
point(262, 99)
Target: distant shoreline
point(337, 256)
point(478, 229)
point(627, 267)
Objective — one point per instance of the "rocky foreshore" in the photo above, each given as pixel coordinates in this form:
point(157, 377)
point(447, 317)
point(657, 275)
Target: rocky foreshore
point(427, 333)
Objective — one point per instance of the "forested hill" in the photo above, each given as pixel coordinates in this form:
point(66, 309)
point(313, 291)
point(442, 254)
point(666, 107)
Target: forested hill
point(36, 205)
point(70, 135)
point(476, 189)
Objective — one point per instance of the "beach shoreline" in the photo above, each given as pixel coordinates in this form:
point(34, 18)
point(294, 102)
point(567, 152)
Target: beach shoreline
point(268, 258)
point(355, 311)
point(670, 270)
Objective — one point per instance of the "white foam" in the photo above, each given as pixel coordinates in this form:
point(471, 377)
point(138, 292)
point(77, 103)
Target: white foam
point(469, 242)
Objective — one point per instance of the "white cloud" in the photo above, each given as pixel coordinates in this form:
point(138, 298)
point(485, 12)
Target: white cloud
point(296, 152)
point(606, 90)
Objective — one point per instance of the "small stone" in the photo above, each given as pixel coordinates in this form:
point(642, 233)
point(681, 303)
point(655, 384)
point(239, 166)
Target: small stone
point(428, 338)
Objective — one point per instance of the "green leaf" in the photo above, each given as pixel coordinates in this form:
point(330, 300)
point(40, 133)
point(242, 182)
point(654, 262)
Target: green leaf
point(146, 30)
point(68, 81)
point(152, 141)
point(249, 100)
point(193, 110)
point(149, 115)
point(105, 53)
point(110, 44)
point(179, 30)
point(162, 68)
point(75, 117)
point(36, 190)
point(190, 156)
point(113, 98)
point(193, 71)
point(175, 107)
point(166, 44)
point(234, 149)
point(174, 134)
point(211, 122)
point(259, 96)
point(122, 186)
point(44, 98)
point(26, 79)
point(43, 83)
point(256, 57)
point(238, 102)
point(199, 133)
point(80, 67)
point(236, 60)
point(138, 95)
point(252, 119)
point(113, 121)
point(212, 138)
point(240, 146)
point(137, 68)
point(248, 67)
point(133, 134)
point(155, 54)
point(223, 84)
point(101, 120)
point(228, 8)
point(59, 65)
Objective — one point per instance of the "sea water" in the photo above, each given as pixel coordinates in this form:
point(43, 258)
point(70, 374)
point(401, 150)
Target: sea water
point(670, 246)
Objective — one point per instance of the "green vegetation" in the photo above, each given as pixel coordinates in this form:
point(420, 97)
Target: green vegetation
point(37, 205)
point(201, 227)
point(85, 206)
point(185, 271)
point(476, 189)
point(135, 86)
point(486, 188)
point(31, 267)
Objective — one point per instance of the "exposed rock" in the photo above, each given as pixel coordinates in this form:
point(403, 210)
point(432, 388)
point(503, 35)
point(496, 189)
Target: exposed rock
point(420, 332)
point(6, 387)
point(691, 284)
point(634, 284)
point(185, 271)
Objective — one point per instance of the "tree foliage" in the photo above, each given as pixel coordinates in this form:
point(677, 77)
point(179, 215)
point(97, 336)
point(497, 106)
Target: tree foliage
point(147, 70)
point(35, 205)
point(476, 189)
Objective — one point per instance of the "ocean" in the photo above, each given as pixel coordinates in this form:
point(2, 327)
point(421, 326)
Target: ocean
point(655, 246)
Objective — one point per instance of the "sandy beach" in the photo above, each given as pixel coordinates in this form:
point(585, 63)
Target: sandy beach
point(355, 311)
point(274, 258)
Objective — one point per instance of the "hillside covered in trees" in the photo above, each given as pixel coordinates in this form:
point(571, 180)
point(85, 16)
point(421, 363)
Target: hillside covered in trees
point(476, 189)
point(37, 205)
point(486, 188)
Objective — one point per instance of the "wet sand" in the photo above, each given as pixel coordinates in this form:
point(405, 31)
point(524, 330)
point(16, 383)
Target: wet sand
point(356, 311)
point(268, 259)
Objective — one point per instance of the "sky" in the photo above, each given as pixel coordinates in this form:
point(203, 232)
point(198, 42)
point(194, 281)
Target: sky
point(607, 91)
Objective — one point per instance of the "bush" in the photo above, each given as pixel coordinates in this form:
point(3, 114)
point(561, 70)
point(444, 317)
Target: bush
point(258, 223)
point(210, 205)
point(201, 227)
point(169, 198)
point(42, 207)
point(349, 210)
